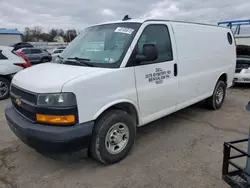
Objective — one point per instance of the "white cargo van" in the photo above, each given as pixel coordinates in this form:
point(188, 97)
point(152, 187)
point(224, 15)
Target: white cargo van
point(115, 77)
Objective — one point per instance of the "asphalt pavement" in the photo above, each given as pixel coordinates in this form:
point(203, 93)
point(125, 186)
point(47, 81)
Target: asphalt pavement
point(182, 150)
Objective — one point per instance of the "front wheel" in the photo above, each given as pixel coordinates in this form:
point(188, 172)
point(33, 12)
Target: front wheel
point(113, 136)
point(4, 88)
point(216, 100)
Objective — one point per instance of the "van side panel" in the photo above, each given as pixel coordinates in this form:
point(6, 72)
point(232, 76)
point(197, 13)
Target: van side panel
point(98, 91)
point(204, 54)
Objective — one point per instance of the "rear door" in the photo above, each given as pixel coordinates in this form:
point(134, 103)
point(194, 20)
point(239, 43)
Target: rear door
point(27, 53)
point(157, 82)
point(35, 55)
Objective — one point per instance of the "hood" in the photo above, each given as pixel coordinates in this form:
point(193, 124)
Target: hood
point(49, 77)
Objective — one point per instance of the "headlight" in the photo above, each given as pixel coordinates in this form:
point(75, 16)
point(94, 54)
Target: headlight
point(56, 99)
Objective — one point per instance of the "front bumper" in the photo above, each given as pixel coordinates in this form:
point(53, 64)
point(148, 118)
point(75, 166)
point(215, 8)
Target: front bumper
point(242, 78)
point(49, 139)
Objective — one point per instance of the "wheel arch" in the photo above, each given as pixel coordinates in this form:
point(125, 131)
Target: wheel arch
point(223, 77)
point(7, 84)
point(127, 105)
point(8, 77)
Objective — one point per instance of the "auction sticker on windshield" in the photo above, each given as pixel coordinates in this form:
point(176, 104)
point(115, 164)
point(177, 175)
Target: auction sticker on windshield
point(124, 30)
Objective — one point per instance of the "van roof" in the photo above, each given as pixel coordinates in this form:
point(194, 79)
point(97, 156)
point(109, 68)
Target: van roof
point(146, 20)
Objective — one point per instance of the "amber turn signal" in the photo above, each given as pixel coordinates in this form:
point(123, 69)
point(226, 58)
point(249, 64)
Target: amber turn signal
point(60, 119)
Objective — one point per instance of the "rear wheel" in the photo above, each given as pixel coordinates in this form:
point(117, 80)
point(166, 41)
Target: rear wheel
point(216, 100)
point(44, 60)
point(4, 88)
point(113, 136)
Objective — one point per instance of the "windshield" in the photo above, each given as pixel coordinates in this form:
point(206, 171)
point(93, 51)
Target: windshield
point(103, 45)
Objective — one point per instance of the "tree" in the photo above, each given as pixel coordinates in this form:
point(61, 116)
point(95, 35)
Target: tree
point(36, 33)
point(53, 34)
point(45, 37)
point(60, 32)
point(70, 35)
point(27, 34)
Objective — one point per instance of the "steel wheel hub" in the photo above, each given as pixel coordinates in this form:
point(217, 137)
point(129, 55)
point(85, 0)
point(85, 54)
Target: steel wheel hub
point(117, 138)
point(3, 89)
point(219, 95)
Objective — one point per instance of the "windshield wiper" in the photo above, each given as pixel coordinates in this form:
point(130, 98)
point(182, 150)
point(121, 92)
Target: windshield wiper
point(59, 60)
point(83, 61)
point(60, 57)
point(79, 59)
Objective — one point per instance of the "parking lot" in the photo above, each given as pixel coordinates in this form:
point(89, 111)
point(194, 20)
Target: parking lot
point(184, 149)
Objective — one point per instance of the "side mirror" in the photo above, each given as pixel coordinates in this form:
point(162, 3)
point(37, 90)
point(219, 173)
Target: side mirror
point(150, 53)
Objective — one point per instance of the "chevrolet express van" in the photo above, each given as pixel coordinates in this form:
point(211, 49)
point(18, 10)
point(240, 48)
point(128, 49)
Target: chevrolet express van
point(115, 77)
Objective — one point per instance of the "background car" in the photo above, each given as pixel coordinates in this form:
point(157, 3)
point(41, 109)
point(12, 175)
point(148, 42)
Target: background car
point(10, 63)
point(56, 52)
point(20, 45)
point(60, 48)
point(36, 55)
point(242, 71)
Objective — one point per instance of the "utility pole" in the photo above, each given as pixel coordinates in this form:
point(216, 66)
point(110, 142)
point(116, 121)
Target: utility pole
point(69, 32)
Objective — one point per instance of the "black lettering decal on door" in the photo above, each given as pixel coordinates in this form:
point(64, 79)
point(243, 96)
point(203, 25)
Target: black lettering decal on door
point(158, 76)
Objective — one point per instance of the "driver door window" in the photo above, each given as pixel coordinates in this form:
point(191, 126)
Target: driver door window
point(158, 35)
point(26, 51)
point(35, 51)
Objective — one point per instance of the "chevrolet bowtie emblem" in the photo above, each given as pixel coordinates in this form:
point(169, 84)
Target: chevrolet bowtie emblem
point(18, 101)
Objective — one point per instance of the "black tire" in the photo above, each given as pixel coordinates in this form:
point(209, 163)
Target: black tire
point(6, 82)
point(45, 60)
point(235, 84)
point(211, 102)
point(98, 148)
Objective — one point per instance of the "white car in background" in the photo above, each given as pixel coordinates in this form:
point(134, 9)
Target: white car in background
point(57, 52)
point(242, 71)
point(10, 63)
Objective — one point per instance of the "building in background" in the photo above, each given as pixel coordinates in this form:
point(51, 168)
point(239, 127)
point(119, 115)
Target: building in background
point(10, 36)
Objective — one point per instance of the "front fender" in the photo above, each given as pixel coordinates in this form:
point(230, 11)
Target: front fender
point(107, 106)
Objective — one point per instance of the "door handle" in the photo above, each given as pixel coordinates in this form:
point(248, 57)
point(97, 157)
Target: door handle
point(175, 70)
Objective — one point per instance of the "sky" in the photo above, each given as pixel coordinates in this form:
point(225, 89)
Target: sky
point(78, 14)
